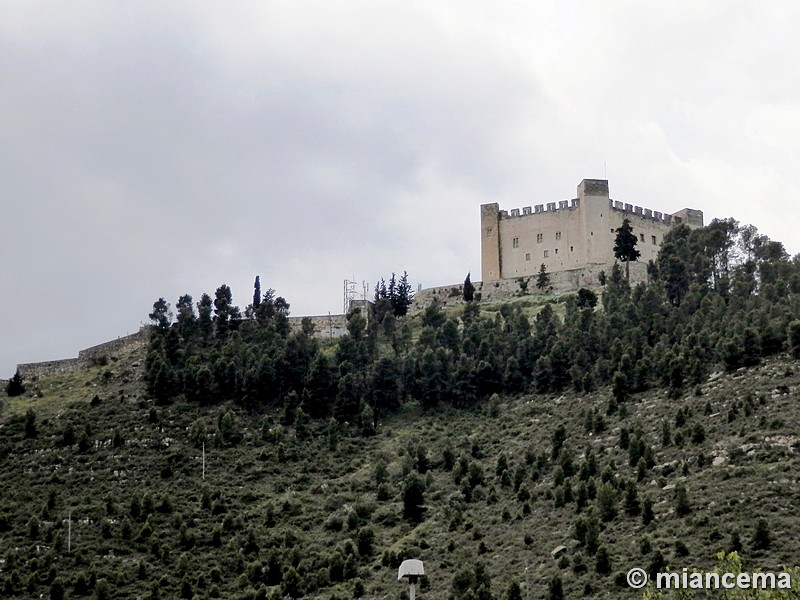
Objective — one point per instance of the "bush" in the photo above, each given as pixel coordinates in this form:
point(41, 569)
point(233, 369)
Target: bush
point(16, 386)
point(30, 423)
point(794, 338)
point(413, 500)
point(761, 536)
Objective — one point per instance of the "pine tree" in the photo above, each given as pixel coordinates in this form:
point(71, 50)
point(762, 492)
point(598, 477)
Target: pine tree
point(794, 338)
point(413, 499)
point(16, 385)
point(513, 592)
point(161, 315)
point(469, 290)
point(555, 588)
point(543, 279)
point(761, 537)
point(256, 293)
point(403, 296)
point(625, 246)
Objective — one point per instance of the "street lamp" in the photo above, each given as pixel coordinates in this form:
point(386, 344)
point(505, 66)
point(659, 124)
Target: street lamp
point(411, 570)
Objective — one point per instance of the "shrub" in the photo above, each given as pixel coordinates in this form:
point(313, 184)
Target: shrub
point(761, 536)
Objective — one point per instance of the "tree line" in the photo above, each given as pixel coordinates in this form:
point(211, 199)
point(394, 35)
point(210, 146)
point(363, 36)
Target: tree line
point(721, 295)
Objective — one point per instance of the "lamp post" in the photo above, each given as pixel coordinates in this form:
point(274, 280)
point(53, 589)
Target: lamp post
point(410, 571)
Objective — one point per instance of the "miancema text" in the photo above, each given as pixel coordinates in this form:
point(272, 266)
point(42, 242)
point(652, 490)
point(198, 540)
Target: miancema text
point(727, 581)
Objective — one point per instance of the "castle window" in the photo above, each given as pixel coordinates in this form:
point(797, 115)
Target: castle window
point(572, 248)
point(539, 238)
point(556, 250)
point(546, 254)
point(612, 230)
point(641, 237)
point(653, 238)
point(527, 256)
point(489, 232)
point(515, 243)
point(558, 235)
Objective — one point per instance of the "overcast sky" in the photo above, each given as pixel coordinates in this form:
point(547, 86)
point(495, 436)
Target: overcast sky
point(159, 148)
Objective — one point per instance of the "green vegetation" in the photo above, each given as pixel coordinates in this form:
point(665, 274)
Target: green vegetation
point(238, 457)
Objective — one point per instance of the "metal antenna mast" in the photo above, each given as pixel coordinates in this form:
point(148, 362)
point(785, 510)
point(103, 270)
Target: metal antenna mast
point(349, 294)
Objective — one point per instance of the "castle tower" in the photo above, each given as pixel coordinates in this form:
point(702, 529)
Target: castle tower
point(594, 209)
point(490, 242)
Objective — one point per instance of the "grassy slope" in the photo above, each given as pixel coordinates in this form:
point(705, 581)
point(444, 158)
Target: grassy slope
point(310, 489)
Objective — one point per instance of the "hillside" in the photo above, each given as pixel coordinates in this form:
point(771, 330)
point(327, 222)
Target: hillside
point(545, 444)
point(316, 511)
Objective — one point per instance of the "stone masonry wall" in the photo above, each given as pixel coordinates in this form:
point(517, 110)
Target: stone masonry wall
point(504, 289)
point(325, 326)
point(85, 357)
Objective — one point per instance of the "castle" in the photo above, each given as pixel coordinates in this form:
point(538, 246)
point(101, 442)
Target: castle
point(575, 234)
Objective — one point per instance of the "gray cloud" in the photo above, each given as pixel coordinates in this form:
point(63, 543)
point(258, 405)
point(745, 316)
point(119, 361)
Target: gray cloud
point(155, 149)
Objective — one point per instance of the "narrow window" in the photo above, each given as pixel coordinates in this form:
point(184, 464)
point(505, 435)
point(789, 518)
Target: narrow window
point(527, 256)
point(539, 238)
point(556, 250)
point(546, 254)
point(489, 232)
point(572, 248)
point(515, 242)
point(641, 237)
point(654, 240)
point(558, 235)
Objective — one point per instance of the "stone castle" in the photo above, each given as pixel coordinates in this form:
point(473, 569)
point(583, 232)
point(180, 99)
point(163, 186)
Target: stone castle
point(574, 239)
point(569, 235)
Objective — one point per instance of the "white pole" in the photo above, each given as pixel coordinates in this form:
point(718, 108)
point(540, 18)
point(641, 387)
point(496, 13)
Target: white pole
point(412, 592)
point(204, 461)
point(527, 584)
point(69, 532)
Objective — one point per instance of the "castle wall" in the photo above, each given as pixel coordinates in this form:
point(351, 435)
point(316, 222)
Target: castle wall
point(128, 342)
point(490, 241)
point(51, 367)
point(569, 234)
point(85, 357)
point(325, 326)
point(530, 239)
point(503, 289)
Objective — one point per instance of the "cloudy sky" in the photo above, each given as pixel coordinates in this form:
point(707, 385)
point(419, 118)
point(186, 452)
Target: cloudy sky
point(159, 148)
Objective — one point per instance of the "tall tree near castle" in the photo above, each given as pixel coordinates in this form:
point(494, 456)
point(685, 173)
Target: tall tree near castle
point(625, 246)
point(543, 278)
point(398, 295)
point(256, 293)
point(469, 289)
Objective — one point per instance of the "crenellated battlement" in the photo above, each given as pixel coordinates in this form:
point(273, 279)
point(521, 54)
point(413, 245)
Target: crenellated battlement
point(689, 216)
point(540, 209)
point(645, 213)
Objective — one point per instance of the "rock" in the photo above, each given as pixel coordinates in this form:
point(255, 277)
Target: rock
point(719, 461)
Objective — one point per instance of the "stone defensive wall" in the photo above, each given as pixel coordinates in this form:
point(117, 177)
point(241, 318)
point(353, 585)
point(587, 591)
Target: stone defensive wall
point(688, 215)
point(537, 209)
point(325, 326)
point(332, 327)
point(86, 357)
point(128, 342)
point(504, 289)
